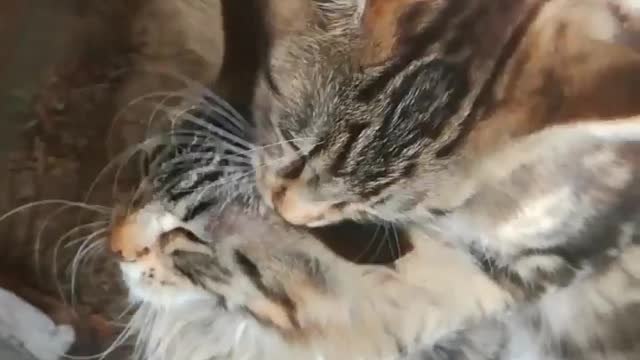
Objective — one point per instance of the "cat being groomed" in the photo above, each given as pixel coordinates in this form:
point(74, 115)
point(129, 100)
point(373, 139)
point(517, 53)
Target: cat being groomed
point(233, 281)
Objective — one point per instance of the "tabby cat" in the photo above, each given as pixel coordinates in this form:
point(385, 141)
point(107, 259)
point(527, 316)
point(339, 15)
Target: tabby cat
point(521, 248)
point(417, 112)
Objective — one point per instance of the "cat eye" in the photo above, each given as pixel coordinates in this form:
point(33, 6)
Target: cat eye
point(293, 169)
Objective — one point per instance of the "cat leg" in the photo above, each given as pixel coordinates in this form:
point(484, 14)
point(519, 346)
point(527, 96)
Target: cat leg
point(341, 310)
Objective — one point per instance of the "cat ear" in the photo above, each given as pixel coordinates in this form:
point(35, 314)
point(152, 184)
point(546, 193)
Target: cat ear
point(571, 190)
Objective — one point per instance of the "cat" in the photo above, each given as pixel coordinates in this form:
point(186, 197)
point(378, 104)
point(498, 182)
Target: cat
point(219, 275)
point(384, 108)
point(418, 112)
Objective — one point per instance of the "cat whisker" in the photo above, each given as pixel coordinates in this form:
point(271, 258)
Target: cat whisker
point(206, 156)
point(218, 184)
point(369, 244)
point(173, 118)
point(263, 147)
point(215, 102)
point(96, 208)
point(66, 204)
point(102, 223)
point(215, 130)
point(84, 249)
point(224, 180)
point(396, 240)
point(41, 230)
point(208, 160)
point(122, 159)
point(55, 256)
point(139, 99)
point(91, 257)
point(383, 240)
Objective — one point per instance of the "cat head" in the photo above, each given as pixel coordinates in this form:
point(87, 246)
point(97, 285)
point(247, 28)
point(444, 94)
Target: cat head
point(375, 108)
point(361, 107)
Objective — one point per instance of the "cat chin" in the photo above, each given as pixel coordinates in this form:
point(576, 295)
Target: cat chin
point(157, 294)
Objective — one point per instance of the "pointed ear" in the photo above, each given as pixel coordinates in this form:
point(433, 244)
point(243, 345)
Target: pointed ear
point(572, 189)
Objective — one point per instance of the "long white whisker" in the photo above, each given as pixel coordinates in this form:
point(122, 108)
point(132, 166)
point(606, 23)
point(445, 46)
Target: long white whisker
point(215, 130)
point(369, 244)
point(220, 104)
point(151, 143)
point(54, 261)
point(101, 223)
point(82, 251)
point(397, 241)
point(382, 242)
point(139, 99)
point(96, 208)
point(212, 185)
point(206, 156)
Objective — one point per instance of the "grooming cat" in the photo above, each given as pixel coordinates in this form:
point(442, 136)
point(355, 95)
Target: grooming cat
point(220, 276)
point(412, 111)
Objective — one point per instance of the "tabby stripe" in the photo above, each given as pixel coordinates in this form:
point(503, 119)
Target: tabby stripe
point(198, 208)
point(250, 269)
point(413, 121)
point(483, 98)
point(353, 134)
point(506, 278)
point(420, 43)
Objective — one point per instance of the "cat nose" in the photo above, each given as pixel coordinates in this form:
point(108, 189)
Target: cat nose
point(132, 238)
point(296, 211)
